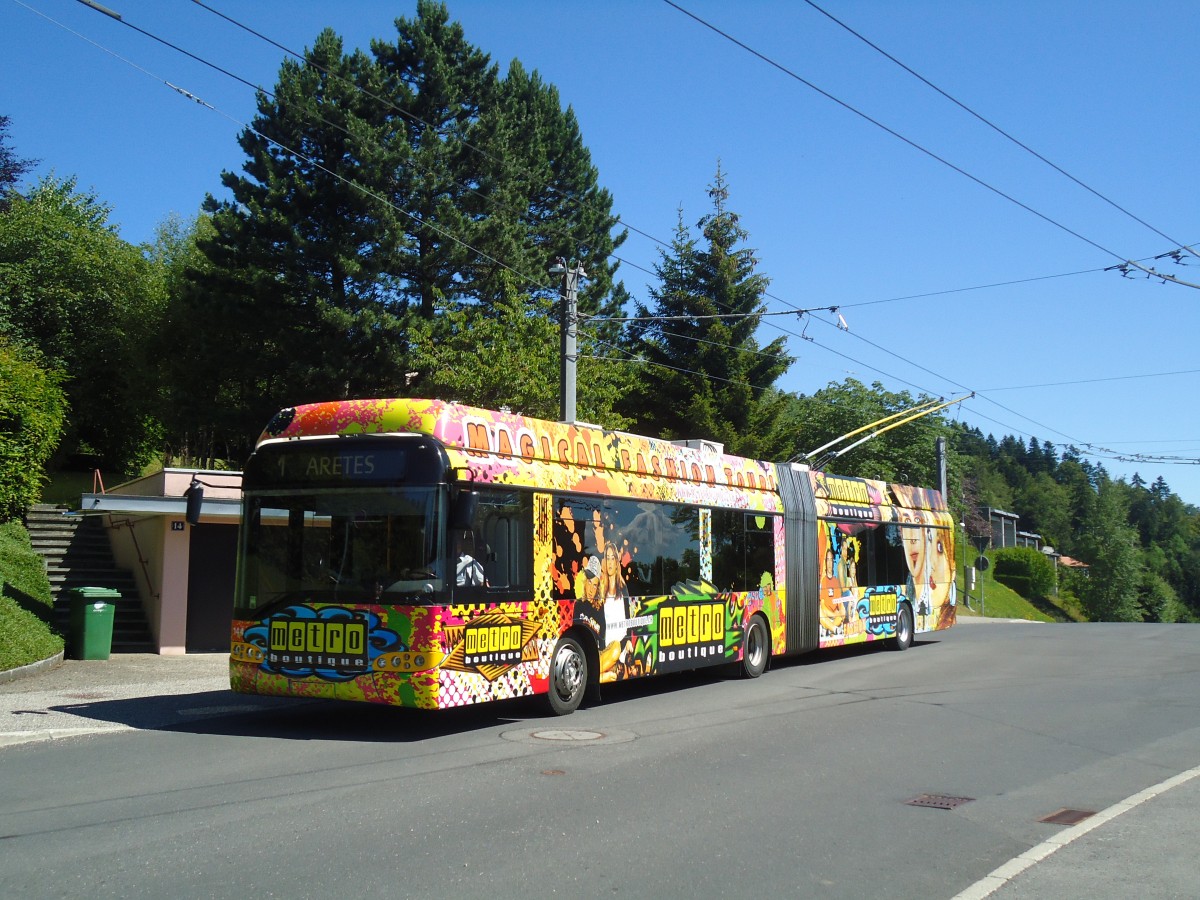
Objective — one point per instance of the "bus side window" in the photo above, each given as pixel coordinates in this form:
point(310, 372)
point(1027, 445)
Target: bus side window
point(728, 550)
point(743, 549)
point(503, 529)
point(890, 566)
point(760, 549)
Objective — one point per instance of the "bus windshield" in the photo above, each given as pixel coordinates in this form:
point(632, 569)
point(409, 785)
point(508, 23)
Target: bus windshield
point(363, 545)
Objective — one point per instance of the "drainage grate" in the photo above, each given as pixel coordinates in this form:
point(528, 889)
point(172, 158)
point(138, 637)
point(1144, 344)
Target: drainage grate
point(939, 801)
point(1067, 816)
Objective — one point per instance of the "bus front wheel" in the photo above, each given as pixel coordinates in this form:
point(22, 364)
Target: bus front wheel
point(756, 648)
point(568, 676)
point(904, 628)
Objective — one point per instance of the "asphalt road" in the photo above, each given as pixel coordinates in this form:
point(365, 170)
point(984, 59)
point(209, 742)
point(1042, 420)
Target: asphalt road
point(143, 776)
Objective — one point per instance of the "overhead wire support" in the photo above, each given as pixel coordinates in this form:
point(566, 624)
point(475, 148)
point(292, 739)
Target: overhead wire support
point(102, 9)
point(695, 318)
point(569, 351)
point(1151, 272)
point(186, 93)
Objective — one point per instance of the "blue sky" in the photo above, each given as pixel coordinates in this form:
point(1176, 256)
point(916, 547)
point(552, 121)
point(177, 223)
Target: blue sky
point(841, 212)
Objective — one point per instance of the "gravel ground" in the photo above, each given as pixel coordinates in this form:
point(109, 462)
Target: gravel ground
point(126, 691)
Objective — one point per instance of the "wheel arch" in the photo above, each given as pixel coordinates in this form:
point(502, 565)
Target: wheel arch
point(591, 649)
point(766, 623)
point(904, 607)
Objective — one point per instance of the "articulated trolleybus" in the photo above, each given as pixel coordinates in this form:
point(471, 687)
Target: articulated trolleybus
point(426, 554)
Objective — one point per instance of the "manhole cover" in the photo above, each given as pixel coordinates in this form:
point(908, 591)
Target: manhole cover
point(1067, 817)
point(567, 737)
point(939, 801)
point(562, 734)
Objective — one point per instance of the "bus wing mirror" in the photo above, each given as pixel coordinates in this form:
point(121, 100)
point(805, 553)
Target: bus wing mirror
point(195, 499)
point(463, 513)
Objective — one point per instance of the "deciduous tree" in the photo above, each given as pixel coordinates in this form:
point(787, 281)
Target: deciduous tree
point(1111, 548)
point(32, 407)
point(88, 302)
point(905, 454)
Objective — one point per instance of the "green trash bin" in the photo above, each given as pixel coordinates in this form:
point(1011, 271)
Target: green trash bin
point(92, 612)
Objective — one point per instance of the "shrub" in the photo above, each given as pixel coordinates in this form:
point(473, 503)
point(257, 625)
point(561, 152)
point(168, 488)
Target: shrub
point(32, 409)
point(1026, 570)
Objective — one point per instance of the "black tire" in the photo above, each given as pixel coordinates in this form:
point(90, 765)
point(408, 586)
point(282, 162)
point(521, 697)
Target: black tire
point(568, 676)
point(756, 648)
point(904, 628)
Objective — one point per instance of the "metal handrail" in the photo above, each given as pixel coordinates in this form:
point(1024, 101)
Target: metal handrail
point(129, 523)
point(98, 479)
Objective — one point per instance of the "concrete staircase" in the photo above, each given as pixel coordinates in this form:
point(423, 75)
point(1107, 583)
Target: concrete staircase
point(77, 554)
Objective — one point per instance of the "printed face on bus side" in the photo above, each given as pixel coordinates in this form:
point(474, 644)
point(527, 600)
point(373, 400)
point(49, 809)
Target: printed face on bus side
point(916, 544)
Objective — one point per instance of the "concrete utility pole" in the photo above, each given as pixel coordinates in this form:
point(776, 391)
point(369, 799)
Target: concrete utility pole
point(568, 310)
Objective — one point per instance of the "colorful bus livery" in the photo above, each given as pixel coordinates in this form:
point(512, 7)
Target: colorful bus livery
point(426, 554)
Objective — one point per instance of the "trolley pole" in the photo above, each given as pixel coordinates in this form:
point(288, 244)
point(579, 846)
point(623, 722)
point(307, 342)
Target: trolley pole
point(568, 312)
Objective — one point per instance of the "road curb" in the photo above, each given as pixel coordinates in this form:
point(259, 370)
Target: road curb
point(999, 877)
point(17, 738)
point(32, 669)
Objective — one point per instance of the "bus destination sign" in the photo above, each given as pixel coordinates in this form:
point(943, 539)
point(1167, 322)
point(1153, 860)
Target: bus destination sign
point(341, 462)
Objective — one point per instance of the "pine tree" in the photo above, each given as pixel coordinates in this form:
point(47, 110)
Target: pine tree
point(543, 199)
point(12, 167)
point(299, 279)
point(706, 375)
point(380, 192)
point(435, 83)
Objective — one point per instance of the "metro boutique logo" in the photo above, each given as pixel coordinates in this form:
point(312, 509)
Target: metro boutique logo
point(688, 632)
point(495, 645)
point(328, 644)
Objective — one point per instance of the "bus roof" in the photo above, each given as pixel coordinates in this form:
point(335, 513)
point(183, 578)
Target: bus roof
point(557, 453)
point(478, 433)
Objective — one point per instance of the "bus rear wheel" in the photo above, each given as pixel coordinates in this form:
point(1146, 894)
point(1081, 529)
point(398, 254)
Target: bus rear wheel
point(756, 648)
point(904, 628)
point(568, 676)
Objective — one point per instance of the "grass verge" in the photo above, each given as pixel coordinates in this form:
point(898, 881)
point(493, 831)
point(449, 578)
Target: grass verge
point(993, 600)
point(26, 606)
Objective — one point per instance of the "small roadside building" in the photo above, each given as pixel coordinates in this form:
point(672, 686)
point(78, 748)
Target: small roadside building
point(1029, 539)
point(1003, 525)
point(185, 574)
